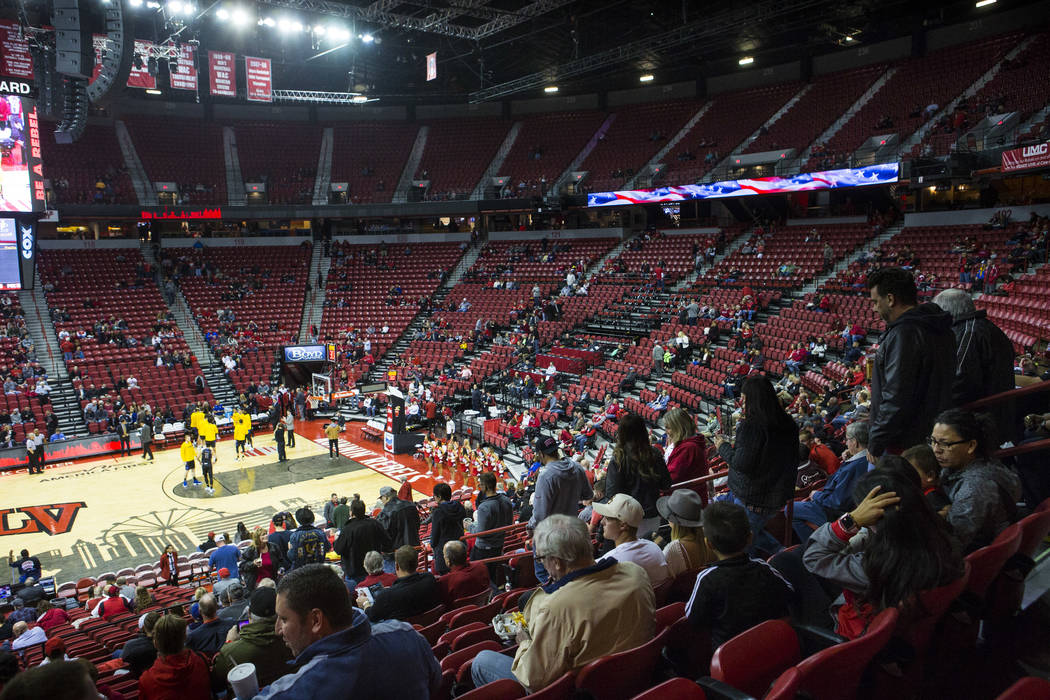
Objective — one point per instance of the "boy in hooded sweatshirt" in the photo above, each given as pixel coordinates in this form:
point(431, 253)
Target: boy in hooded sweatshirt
point(446, 524)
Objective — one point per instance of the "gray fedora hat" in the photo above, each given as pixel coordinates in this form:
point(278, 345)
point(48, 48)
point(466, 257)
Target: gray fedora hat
point(682, 507)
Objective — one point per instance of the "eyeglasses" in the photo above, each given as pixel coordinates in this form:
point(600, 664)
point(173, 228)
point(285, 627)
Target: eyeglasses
point(941, 444)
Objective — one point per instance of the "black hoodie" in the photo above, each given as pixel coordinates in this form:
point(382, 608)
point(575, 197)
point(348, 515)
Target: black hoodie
point(446, 524)
point(912, 379)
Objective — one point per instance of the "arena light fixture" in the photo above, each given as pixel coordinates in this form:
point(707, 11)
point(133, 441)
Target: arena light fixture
point(136, 3)
point(320, 30)
point(367, 38)
point(984, 3)
point(746, 60)
point(153, 91)
point(239, 16)
point(268, 22)
point(551, 89)
point(222, 13)
point(174, 7)
point(647, 78)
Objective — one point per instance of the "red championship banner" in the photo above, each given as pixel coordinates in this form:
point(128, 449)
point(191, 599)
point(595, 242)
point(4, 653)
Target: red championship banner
point(183, 72)
point(140, 77)
point(15, 59)
point(1037, 156)
point(258, 79)
point(222, 74)
point(99, 42)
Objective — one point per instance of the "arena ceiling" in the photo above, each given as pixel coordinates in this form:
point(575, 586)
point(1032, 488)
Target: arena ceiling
point(497, 49)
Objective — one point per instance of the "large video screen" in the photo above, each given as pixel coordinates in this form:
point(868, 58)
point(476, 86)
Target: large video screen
point(883, 174)
point(10, 277)
point(21, 175)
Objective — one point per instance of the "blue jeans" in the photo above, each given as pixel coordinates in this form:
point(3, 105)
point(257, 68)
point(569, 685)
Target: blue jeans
point(807, 512)
point(541, 573)
point(762, 542)
point(489, 667)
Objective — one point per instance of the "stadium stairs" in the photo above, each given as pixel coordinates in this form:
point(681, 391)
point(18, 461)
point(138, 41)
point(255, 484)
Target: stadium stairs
point(211, 368)
point(63, 399)
point(396, 350)
point(313, 310)
point(869, 246)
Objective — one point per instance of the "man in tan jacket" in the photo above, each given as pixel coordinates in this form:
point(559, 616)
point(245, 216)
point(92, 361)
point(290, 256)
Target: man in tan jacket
point(588, 610)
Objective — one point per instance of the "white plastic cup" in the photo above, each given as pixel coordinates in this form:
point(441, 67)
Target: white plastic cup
point(243, 681)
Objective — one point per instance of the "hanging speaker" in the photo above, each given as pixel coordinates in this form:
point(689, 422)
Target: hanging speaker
point(75, 55)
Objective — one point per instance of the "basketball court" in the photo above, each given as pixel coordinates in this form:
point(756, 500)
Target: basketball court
point(109, 513)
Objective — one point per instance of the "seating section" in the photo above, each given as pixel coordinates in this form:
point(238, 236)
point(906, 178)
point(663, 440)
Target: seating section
point(1010, 90)
point(828, 97)
point(362, 296)
point(457, 153)
point(20, 371)
point(786, 245)
point(1024, 315)
point(731, 118)
point(188, 152)
point(248, 302)
point(76, 169)
point(283, 155)
point(369, 156)
point(899, 107)
point(546, 145)
point(635, 135)
point(111, 307)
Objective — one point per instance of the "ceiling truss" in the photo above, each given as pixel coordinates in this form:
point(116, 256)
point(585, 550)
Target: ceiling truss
point(440, 21)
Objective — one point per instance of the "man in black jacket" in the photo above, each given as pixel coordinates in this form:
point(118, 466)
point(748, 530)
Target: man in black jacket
point(411, 594)
point(984, 357)
point(914, 365)
point(359, 536)
point(399, 518)
point(446, 524)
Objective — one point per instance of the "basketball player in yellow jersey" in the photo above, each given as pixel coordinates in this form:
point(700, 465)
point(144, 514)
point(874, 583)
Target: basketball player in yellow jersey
point(209, 433)
point(196, 418)
point(241, 425)
point(189, 455)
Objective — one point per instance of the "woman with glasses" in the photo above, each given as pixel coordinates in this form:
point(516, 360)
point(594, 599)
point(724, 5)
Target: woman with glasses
point(983, 491)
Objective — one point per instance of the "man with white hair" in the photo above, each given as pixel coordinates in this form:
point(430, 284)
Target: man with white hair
point(983, 353)
point(588, 610)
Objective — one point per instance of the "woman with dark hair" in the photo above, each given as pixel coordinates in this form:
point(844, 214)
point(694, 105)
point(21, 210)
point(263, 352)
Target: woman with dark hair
point(637, 469)
point(909, 551)
point(983, 491)
point(763, 460)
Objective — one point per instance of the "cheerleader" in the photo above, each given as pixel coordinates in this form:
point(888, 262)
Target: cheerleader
point(428, 453)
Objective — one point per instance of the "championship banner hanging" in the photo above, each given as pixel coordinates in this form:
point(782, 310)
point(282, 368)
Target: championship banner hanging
point(183, 73)
point(222, 74)
point(258, 79)
point(99, 42)
point(139, 76)
point(15, 59)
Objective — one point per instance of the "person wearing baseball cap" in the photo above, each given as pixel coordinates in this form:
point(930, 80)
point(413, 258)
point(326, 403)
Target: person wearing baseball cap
point(224, 582)
point(113, 604)
point(256, 643)
point(55, 650)
point(621, 517)
point(560, 486)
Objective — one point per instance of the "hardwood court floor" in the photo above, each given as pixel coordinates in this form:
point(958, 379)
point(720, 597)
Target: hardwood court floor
point(105, 514)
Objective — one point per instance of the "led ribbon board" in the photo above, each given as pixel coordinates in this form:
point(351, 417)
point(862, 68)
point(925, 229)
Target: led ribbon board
point(882, 174)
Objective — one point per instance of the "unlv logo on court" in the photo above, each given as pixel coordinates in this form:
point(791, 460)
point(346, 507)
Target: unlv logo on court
point(53, 519)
